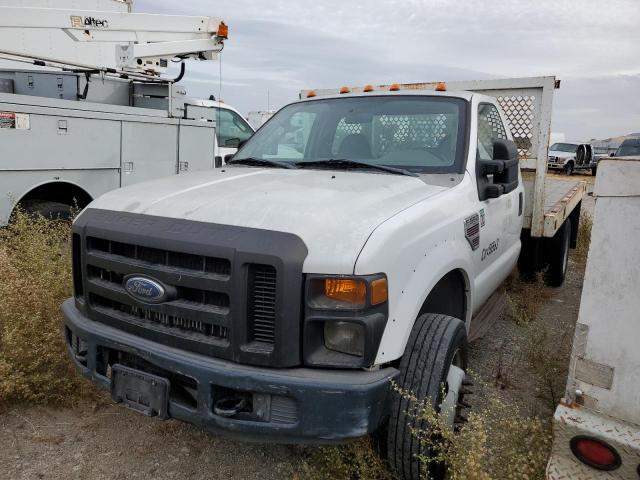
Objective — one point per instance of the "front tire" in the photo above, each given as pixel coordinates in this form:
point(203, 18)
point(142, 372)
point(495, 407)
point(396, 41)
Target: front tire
point(568, 169)
point(435, 353)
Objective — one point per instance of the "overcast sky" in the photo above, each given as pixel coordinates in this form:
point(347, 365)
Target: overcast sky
point(282, 47)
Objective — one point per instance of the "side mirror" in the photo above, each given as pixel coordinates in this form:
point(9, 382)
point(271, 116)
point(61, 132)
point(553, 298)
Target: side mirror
point(499, 175)
point(612, 154)
point(228, 156)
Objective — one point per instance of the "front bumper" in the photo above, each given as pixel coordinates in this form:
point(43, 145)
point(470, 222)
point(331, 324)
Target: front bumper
point(307, 405)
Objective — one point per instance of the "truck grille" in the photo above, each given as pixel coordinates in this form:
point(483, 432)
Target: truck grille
point(262, 303)
point(231, 292)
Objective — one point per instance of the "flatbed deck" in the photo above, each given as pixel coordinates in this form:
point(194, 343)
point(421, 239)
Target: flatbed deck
point(560, 199)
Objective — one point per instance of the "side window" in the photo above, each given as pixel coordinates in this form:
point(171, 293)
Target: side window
point(232, 128)
point(490, 127)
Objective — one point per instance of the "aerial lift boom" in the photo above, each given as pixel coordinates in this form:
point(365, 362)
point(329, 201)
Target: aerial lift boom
point(110, 40)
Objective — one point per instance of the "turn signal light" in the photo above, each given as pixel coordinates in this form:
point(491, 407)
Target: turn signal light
point(311, 94)
point(223, 30)
point(441, 87)
point(379, 291)
point(345, 90)
point(394, 88)
point(346, 290)
point(595, 453)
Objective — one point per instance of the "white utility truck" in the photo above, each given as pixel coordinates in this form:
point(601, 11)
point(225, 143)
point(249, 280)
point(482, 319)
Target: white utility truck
point(98, 115)
point(572, 156)
point(348, 243)
point(597, 425)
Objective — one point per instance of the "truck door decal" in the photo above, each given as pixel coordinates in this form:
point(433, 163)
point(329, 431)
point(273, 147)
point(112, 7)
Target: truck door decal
point(472, 230)
point(490, 250)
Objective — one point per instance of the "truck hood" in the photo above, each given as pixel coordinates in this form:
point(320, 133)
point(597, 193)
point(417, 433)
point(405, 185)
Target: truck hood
point(333, 212)
point(556, 153)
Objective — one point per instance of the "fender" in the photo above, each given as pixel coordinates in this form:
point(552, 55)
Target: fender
point(415, 249)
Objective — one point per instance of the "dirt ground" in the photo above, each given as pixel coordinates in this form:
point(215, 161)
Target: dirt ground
point(103, 441)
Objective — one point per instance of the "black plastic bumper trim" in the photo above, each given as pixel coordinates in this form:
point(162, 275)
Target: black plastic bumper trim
point(333, 405)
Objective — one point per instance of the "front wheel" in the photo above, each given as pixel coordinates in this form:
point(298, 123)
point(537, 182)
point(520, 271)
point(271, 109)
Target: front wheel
point(594, 170)
point(433, 367)
point(568, 168)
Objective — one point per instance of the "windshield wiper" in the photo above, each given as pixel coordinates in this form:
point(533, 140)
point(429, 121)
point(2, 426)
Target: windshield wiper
point(263, 162)
point(354, 164)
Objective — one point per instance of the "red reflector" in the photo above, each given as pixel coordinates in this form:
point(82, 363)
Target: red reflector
point(595, 453)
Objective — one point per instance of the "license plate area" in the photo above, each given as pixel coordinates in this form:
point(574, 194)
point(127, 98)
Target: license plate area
point(140, 391)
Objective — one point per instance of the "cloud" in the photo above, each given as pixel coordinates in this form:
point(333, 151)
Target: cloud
point(282, 47)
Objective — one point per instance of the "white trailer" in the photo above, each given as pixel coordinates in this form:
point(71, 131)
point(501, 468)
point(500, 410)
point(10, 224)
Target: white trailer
point(98, 114)
point(597, 424)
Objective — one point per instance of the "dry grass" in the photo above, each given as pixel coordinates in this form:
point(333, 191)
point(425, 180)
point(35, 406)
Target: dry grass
point(34, 280)
point(357, 460)
point(584, 238)
point(524, 298)
point(495, 443)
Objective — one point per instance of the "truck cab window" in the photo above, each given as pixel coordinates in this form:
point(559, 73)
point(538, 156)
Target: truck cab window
point(422, 135)
point(232, 128)
point(490, 127)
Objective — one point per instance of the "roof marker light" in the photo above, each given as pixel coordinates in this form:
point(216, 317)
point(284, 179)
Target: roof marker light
point(345, 90)
point(394, 88)
point(368, 88)
point(441, 87)
point(311, 94)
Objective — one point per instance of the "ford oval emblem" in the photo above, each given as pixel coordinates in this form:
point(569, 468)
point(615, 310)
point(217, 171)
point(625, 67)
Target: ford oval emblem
point(145, 289)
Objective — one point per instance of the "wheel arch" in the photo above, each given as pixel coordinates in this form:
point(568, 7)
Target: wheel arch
point(62, 191)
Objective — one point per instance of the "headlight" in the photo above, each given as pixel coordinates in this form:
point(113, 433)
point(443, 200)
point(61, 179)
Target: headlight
point(344, 337)
point(345, 317)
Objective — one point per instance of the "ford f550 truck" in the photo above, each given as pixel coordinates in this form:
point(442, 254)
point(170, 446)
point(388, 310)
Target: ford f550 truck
point(347, 244)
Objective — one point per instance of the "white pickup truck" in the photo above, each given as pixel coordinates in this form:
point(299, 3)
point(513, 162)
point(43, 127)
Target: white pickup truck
point(348, 243)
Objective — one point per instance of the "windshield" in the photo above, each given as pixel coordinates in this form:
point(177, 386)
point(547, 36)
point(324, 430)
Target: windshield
point(628, 151)
point(419, 134)
point(564, 147)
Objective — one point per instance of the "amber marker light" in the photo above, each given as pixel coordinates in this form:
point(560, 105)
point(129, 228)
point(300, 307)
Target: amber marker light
point(394, 88)
point(368, 88)
point(346, 290)
point(345, 90)
point(379, 291)
point(311, 94)
point(223, 30)
point(441, 87)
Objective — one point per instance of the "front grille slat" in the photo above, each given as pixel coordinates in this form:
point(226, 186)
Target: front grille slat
point(261, 304)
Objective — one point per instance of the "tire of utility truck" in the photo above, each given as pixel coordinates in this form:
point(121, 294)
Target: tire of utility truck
point(433, 364)
point(47, 209)
point(557, 254)
point(594, 170)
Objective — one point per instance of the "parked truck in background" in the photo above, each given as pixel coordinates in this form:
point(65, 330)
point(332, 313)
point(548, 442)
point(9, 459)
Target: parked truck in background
point(597, 424)
point(95, 121)
point(570, 156)
point(347, 244)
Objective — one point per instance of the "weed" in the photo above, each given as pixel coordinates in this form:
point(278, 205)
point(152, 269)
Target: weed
point(584, 238)
point(356, 460)
point(495, 443)
point(35, 278)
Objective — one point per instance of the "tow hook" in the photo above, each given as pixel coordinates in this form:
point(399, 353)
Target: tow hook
point(229, 406)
